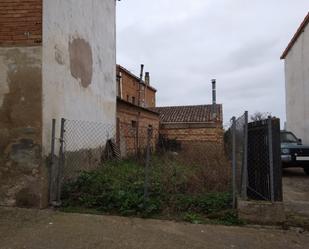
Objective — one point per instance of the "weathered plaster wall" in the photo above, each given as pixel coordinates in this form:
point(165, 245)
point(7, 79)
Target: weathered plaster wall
point(21, 176)
point(297, 87)
point(79, 62)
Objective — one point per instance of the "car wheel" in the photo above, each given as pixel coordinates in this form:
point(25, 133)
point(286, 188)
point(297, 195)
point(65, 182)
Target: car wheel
point(306, 171)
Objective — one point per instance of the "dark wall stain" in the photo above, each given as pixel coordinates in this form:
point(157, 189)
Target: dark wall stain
point(21, 127)
point(81, 63)
point(27, 198)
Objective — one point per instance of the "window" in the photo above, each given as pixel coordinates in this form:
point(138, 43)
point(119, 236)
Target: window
point(128, 98)
point(288, 137)
point(134, 124)
point(133, 100)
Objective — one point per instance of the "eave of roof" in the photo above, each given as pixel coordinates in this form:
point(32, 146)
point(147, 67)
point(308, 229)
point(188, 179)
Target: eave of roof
point(136, 106)
point(134, 76)
point(298, 33)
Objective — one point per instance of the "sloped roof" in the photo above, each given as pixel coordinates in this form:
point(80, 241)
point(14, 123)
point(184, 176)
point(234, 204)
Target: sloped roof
point(299, 31)
point(119, 67)
point(188, 114)
point(119, 100)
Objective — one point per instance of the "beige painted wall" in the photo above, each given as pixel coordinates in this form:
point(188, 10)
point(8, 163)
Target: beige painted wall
point(297, 87)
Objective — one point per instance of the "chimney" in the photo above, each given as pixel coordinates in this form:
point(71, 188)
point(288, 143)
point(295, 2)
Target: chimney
point(142, 73)
point(147, 78)
point(140, 85)
point(214, 99)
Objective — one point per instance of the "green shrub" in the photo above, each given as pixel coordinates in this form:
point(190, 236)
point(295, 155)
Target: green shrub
point(193, 218)
point(115, 188)
point(204, 203)
point(118, 188)
point(230, 218)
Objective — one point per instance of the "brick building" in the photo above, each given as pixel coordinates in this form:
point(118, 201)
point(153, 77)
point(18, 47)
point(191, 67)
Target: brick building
point(134, 90)
point(199, 123)
point(133, 116)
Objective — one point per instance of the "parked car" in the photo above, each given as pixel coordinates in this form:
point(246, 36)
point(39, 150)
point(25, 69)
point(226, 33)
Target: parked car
point(293, 152)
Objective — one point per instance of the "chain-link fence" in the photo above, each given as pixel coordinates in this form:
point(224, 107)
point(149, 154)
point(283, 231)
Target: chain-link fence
point(254, 150)
point(236, 139)
point(86, 146)
point(109, 162)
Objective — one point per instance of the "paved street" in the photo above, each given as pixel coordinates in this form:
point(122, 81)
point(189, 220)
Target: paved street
point(32, 229)
point(295, 191)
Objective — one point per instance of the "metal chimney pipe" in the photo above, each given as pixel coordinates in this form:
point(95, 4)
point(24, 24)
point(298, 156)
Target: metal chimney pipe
point(214, 98)
point(147, 78)
point(140, 84)
point(142, 73)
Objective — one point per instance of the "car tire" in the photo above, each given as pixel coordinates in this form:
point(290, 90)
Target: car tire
point(306, 170)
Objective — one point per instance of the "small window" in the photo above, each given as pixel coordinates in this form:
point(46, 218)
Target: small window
point(134, 124)
point(133, 100)
point(128, 98)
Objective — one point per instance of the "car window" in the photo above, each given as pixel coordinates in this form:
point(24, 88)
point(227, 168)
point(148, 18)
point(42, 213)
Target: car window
point(288, 138)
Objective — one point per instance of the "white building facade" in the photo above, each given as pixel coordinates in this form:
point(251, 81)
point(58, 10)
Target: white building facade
point(296, 58)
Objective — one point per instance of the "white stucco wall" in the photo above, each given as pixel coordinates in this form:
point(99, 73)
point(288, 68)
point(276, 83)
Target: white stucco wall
point(90, 22)
point(297, 87)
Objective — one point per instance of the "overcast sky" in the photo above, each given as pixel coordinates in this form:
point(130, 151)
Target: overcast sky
point(186, 43)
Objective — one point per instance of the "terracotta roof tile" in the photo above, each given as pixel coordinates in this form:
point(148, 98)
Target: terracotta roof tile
point(188, 114)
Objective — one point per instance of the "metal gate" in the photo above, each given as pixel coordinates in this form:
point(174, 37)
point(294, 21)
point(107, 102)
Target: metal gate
point(264, 161)
point(256, 160)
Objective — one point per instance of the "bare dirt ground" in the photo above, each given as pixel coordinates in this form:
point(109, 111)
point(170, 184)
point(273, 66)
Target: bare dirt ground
point(33, 229)
point(296, 191)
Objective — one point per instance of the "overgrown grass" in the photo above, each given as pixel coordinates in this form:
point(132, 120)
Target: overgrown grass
point(176, 190)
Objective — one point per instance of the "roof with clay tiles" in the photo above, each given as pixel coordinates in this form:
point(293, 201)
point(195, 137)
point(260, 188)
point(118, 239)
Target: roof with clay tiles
point(188, 114)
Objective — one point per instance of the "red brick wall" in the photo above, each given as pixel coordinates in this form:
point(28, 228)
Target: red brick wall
point(20, 22)
point(150, 98)
point(132, 137)
point(207, 134)
point(130, 88)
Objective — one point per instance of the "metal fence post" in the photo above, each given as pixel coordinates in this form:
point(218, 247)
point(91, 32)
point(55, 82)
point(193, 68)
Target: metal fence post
point(147, 164)
point(245, 160)
point(61, 162)
point(51, 165)
point(234, 161)
point(271, 159)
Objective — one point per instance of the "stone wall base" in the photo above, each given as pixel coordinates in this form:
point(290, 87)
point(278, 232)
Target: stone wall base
point(259, 212)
